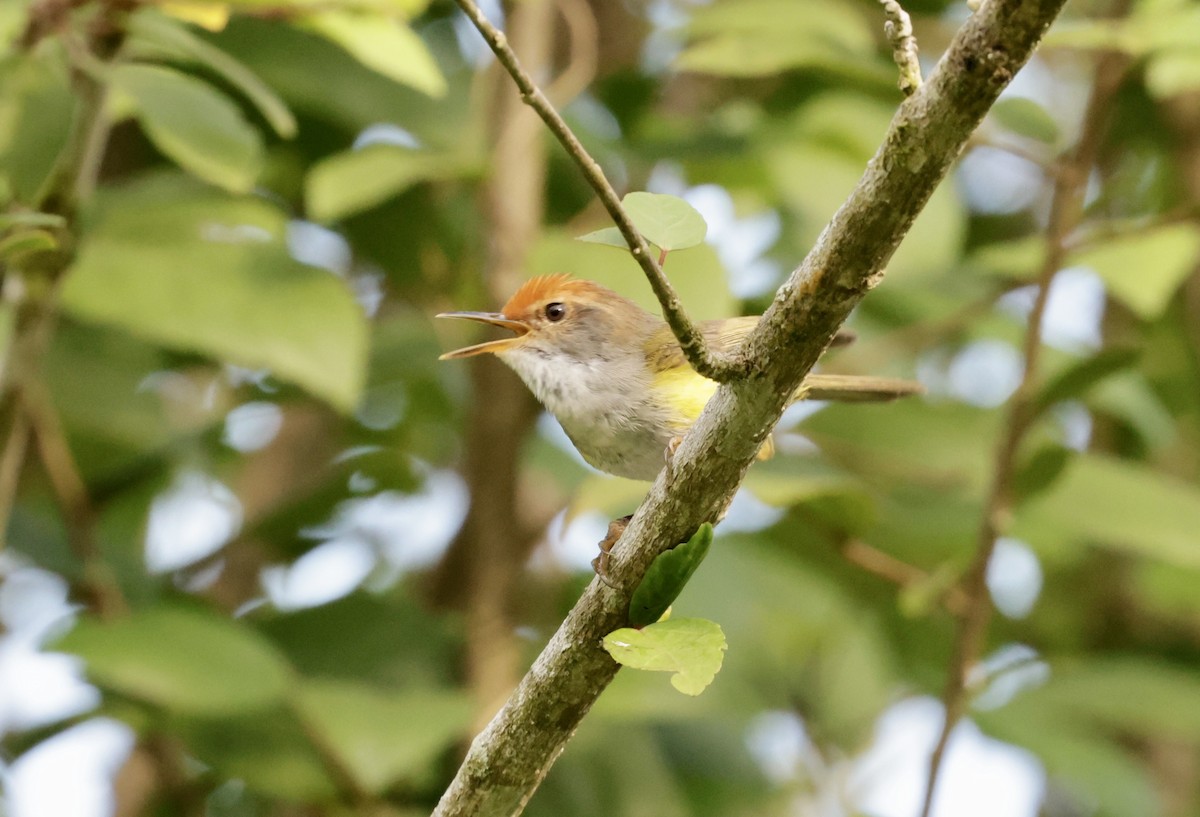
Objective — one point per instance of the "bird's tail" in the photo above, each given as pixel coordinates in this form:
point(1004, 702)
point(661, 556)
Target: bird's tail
point(851, 388)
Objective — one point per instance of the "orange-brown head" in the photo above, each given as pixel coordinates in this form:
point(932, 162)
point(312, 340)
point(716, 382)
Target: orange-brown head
point(561, 315)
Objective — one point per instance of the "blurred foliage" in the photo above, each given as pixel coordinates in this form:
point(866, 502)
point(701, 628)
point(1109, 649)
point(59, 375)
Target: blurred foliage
point(241, 369)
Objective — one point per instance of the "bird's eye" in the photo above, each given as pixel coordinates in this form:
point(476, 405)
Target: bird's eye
point(556, 311)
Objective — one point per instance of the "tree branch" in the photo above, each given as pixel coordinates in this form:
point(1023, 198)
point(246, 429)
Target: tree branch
point(1066, 213)
point(713, 366)
point(508, 760)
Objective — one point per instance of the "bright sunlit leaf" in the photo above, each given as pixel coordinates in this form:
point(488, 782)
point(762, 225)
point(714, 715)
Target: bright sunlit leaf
point(668, 222)
point(691, 648)
point(356, 180)
point(1144, 268)
point(383, 44)
point(209, 273)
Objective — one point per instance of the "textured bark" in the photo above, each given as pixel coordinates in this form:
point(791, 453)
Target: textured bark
point(510, 757)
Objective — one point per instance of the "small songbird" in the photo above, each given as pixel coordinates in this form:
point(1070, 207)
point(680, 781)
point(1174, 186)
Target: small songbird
point(615, 376)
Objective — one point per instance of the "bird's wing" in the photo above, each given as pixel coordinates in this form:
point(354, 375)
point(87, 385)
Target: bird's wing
point(722, 336)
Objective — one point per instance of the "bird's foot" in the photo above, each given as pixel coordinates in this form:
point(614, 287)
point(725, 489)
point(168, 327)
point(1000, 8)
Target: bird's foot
point(600, 563)
point(669, 452)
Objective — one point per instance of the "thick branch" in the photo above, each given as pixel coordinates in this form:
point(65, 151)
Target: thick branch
point(703, 359)
point(508, 760)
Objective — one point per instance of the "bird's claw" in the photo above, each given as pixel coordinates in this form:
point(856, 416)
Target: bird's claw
point(600, 563)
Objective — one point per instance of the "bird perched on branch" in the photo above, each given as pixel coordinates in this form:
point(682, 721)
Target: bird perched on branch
point(615, 376)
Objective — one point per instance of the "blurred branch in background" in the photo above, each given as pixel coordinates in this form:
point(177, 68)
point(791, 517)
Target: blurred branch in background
point(30, 287)
point(498, 536)
point(1065, 217)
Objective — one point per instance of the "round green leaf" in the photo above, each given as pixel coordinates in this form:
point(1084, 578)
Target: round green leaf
point(692, 648)
point(187, 661)
point(668, 222)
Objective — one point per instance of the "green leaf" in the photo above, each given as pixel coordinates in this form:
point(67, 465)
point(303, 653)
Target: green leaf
point(269, 751)
point(184, 660)
point(347, 183)
point(1138, 696)
point(36, 109)
point(1019, 259)
point(668, 222)
point(1172, 73)
point(383, 44)
point(381, 737)
point(1039, 471)
point(1153, 27)
point(195, 125)
point(1076, 380)
point(1027, 118)
point(667, 576)
point(194, 270)
point(1143, 269)
point(692, 648)
point(703, 287)
point(28, 218)
point(1129, 507)
point(150, 29)
point(24, 242)
point(762, 37)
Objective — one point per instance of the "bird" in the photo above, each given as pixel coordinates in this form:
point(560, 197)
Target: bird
point(616, 378)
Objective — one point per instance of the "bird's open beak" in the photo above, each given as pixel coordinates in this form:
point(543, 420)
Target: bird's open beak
point(492, 346)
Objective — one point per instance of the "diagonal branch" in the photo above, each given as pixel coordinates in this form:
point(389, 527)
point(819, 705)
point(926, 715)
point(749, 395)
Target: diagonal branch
point(508, 760)
point(704, 360)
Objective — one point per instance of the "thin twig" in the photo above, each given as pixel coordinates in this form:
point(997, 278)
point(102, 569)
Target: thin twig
point(901, 573)
point(715, 367)
point(70, 490)
point(11, 460)
point(1066, 213)
point(899, 32)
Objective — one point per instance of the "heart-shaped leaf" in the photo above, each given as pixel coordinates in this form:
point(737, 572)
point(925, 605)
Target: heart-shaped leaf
point(668, 222)
point(692, 648)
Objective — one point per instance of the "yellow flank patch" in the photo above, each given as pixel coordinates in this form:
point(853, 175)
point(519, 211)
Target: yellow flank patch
point(213, 16)
point(685, 391)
